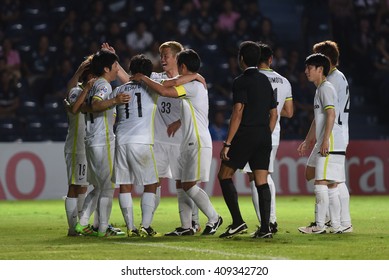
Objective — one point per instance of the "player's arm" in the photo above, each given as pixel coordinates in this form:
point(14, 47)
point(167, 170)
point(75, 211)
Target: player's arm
point(122, 74)
point(309, 140)
point(273, 119)
point(236, 118)
point(183, 79)
point(287, 110)
point(99, 105)
point(80, 105)
point(329, 125)
point(157, 87)
point(76, 76)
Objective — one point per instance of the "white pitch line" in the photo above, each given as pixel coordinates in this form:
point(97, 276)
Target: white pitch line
point(206, 251)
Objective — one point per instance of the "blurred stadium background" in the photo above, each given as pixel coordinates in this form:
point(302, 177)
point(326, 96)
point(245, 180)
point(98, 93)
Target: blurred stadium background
point(42, 42)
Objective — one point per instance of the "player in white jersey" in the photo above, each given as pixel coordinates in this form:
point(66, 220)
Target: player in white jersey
point(330, 148)
point(168, 135)
point(100, 141)
point(339, 81)
point(283, 96)
point(134, 157)
point(196, 146)
point(74, 149)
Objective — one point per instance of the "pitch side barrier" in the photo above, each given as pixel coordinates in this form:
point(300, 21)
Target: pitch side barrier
point(38, 171)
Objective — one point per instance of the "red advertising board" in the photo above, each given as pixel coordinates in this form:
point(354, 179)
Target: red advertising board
point(37, 171)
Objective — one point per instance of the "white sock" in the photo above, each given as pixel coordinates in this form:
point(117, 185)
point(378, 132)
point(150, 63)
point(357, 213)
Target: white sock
point(322, 202)
point(96, 218)
point(80, 203)
point(90, 205)
point(345, 218)
point(147, 205)
point(157, 197)
point(272, 188)
point(185, 208)
point(334, 206)
point(195, 213)
point(105, 208)
point(254, 197)
point(71, 211)
point(202, 201)
point(125, 202)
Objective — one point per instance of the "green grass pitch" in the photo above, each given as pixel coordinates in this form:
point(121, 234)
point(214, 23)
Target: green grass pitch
point(36, 230)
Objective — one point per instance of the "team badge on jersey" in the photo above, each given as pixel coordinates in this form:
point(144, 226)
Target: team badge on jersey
point(103, 90)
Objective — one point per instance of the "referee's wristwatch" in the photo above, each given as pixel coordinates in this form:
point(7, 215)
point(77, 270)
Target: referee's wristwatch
point(226, 145)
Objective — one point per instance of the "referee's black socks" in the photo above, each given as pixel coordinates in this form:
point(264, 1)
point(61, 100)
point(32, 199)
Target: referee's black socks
point(264, 197)
point(231, 198)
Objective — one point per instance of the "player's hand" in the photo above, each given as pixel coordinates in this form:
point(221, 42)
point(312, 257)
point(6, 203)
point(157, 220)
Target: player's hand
point(302, 148)
point(324, 148)
point(106, 46)
point(173, 127)
point(223, 153)
point(122, 98)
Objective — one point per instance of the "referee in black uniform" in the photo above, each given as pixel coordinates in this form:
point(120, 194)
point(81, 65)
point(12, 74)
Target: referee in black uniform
point(253, 118)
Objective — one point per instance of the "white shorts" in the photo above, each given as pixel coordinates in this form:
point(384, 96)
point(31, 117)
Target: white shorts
point(100, 163)
point(195, 165)
point(166, 157)
point(135, 164)
point(273, 154)
point(330, 168)
point(76, 168)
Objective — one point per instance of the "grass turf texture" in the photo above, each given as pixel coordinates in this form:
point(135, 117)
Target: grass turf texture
point(36, 230)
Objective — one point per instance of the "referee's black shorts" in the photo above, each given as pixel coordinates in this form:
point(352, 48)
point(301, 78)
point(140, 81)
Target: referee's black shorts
point(252, 145)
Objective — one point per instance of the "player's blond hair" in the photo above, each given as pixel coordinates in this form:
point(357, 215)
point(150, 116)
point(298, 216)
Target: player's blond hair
point(174, 46)
point(328, 48)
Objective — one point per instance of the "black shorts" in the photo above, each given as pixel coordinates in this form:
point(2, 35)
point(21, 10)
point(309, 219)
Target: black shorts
point(252, 145)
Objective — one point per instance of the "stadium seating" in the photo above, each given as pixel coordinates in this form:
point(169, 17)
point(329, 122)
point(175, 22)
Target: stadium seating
point(35, 130)
point(9, 130)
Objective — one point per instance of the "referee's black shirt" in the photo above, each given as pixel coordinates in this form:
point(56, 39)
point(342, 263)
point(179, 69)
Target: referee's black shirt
point(254, 90)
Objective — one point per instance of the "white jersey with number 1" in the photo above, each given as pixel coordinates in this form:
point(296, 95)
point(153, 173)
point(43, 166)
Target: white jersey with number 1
point(135, 120)
point(99, 126)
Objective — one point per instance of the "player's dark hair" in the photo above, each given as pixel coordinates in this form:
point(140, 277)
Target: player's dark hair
point(250, 52)
point(102, 59)
point(319, 60)
point(329, 49)
point(141, 64)
point(190, 58)
point(266, 52)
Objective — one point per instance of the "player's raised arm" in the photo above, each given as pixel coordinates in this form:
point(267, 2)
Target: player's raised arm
point(80, 105)
point(183, 79)
point(122, 74)
point(80, 70)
